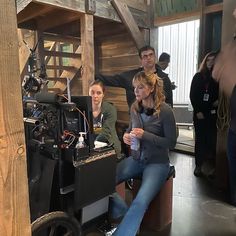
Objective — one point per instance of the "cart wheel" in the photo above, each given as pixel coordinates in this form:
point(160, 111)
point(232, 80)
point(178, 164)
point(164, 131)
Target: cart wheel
point(56, 223)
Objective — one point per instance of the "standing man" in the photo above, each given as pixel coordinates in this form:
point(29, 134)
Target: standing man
point(164, 60)
point(163, 63)
point(124, 80)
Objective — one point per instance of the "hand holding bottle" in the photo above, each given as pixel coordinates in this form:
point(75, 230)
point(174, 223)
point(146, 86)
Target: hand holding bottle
point(137, 132)
point(127, 138)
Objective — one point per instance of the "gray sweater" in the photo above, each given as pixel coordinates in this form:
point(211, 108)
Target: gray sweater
point(159, 135)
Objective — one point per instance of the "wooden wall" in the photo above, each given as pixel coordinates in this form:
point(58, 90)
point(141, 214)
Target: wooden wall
point(116, 53)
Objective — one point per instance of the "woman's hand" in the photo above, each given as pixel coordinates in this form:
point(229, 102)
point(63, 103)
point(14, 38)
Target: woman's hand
point(127, 138)
point(137, 132)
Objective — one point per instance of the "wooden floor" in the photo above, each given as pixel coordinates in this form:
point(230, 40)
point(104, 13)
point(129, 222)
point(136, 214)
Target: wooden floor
point(199, 209)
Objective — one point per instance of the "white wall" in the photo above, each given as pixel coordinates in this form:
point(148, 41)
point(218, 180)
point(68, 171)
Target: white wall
point(181, 42)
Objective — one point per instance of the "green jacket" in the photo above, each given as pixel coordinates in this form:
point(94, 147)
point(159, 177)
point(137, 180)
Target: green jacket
point(108, 133)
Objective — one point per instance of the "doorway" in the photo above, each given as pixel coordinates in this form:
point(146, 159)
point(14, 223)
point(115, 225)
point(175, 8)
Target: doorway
point(181, 41)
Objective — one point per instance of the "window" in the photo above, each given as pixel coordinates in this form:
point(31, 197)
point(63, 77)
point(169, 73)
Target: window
point(181, 41)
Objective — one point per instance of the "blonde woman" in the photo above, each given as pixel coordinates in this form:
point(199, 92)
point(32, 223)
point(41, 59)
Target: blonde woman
point(151, 133)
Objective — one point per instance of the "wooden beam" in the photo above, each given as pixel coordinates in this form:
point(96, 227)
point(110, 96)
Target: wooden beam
point(213, 8)
point(33, 12)
point(52, 48)
point(202, 31)
point(90, 6)
point(87, 43)
point(24, 52)
point(179, 17)
point(128, 20)
point(61, 54)
point(69, 68)
point(137, 4)
point(14, 201)
point(56, 18)
point(61, 38)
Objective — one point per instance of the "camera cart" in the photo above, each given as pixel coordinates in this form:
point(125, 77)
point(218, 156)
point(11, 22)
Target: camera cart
point(69, 181)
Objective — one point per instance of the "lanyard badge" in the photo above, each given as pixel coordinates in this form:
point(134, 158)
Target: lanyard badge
point(206, 94)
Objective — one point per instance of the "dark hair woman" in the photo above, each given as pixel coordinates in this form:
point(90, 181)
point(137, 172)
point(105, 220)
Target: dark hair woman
point(204, 99)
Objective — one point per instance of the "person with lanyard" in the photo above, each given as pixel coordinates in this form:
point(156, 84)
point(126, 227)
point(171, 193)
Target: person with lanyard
point(224, 72)
point(151, 133)
point(104, 117)
point(148, 64)
point(204, 99)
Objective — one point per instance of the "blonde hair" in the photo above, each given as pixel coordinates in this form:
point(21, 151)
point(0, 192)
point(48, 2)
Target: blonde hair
point(153, 81)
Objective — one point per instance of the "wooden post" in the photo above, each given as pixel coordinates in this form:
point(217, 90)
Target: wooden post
point(87, 42)
point(14, 202)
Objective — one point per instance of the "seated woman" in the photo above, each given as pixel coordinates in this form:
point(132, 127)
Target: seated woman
point(104, 117)
point(152, 132)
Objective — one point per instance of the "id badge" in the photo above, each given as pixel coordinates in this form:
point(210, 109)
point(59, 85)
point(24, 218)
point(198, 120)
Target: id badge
point(205, 97)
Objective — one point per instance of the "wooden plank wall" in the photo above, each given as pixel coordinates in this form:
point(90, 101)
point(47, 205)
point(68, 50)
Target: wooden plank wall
point(117, 54)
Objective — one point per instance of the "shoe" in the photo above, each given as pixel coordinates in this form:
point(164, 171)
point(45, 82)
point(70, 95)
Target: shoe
point(107, 228)
point(197, 171)
point(109, 233)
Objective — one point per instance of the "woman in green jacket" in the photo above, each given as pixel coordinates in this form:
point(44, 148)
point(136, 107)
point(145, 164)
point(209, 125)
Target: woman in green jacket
point(104, 117)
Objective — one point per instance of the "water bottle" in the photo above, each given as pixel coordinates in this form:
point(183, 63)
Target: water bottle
point(135, 143)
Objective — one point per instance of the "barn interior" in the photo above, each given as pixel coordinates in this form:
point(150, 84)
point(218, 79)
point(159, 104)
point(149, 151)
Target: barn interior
point(74, 41)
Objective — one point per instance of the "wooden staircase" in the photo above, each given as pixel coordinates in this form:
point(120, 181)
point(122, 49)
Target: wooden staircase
point(62, 58)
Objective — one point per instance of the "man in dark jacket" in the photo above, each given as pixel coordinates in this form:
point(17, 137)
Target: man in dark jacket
point(124, 80)
point(163, 63)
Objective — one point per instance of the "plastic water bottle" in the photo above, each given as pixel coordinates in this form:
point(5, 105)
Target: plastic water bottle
point(135, 143)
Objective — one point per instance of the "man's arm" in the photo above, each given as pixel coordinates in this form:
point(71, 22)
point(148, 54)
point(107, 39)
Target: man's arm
point(111, 80)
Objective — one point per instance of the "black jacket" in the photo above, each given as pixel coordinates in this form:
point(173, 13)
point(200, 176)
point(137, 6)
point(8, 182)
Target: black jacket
point(124, 80)
point(203, 84)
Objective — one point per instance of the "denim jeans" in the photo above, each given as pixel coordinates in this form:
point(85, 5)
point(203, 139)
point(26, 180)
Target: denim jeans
point(231, 151)
point(153, 177)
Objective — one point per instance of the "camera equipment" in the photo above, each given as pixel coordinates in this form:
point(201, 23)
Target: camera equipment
point(53, 126)
point(33, 82)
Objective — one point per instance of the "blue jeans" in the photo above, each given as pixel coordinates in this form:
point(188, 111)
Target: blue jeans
point(231, 151)
point(153, 177)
